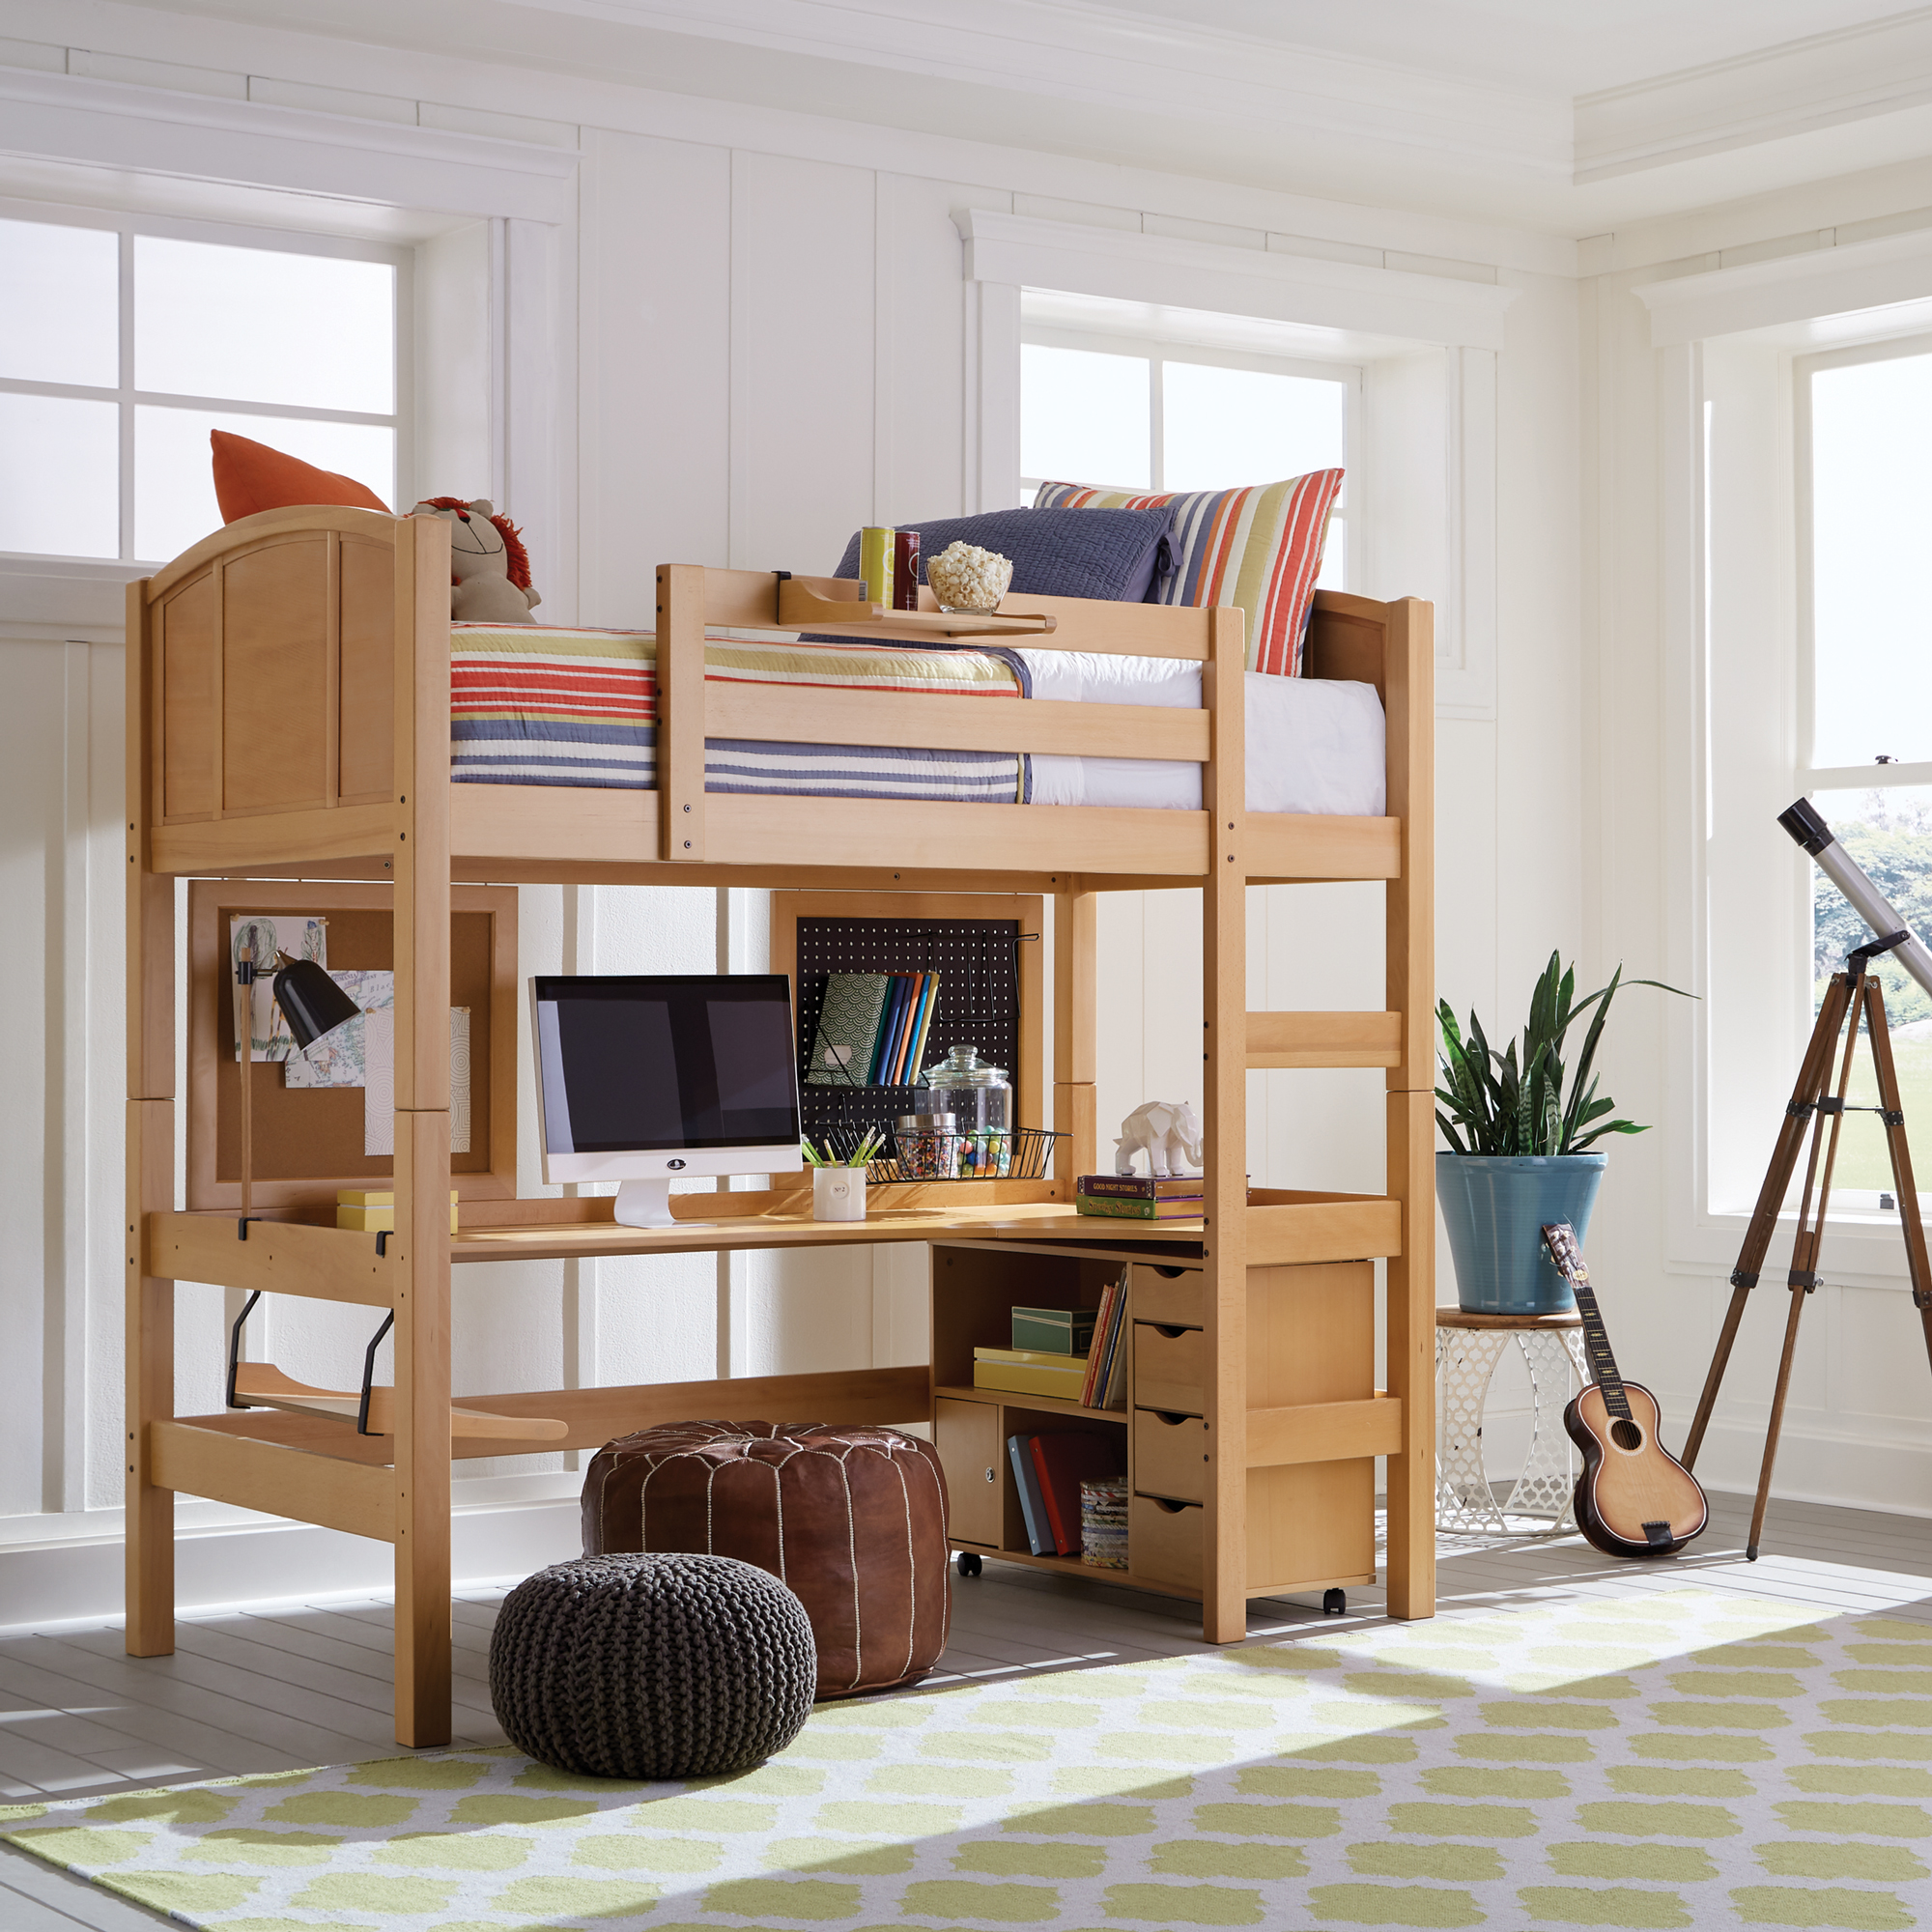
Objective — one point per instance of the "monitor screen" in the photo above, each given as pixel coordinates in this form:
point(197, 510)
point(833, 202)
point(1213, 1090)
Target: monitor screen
point(634, 1064)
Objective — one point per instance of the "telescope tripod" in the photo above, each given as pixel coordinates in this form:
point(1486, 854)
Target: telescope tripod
point(1852, 995)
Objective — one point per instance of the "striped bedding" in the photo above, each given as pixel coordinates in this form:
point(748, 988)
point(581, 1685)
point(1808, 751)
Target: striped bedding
point(554, 708)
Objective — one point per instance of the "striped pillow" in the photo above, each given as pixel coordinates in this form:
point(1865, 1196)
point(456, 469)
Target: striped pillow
point(1260, 548)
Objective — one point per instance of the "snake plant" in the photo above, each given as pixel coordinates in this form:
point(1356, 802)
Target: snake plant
point(1527, 1103)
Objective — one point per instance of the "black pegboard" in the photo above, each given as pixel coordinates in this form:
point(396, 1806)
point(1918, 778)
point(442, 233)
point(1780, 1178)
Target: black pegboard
point(977, 963)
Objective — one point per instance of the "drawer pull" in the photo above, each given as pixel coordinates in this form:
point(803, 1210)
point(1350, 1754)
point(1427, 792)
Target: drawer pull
point(1170, 1418)
point(1170, 1330)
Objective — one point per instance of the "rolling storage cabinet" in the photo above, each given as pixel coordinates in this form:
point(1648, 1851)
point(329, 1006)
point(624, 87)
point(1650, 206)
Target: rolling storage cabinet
point(1310, 1521)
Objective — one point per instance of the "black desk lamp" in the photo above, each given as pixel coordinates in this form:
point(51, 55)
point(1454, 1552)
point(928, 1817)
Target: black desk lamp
point(314, 1007)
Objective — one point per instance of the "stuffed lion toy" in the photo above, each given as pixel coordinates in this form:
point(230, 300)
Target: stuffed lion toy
point(489, 567)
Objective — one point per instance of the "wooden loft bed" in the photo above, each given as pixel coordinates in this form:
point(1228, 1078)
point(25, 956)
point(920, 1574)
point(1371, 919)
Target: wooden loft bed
point(289, 705)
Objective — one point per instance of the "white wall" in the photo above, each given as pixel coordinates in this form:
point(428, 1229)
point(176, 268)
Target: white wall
point(768, 340)
point(1688, 877)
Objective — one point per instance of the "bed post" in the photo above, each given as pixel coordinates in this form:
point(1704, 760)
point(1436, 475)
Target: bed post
point(1075, 1030)
point(680, 687)
point(150, 1367)
point(421, 1439)
point(1410, 665)
point(1224, 1240)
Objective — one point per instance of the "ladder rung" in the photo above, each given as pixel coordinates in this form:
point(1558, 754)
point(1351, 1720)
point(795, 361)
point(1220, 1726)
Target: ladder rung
point(1325, 1040)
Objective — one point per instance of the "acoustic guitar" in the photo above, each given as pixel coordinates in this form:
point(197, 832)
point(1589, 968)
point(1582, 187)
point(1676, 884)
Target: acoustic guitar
point(1633, 1498)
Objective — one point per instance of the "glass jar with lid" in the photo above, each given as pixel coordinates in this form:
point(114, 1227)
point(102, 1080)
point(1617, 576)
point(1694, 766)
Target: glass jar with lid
point(925, 1142)
point(981, 1101)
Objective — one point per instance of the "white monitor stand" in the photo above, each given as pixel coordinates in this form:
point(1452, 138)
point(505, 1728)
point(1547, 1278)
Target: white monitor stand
point(647, 1203)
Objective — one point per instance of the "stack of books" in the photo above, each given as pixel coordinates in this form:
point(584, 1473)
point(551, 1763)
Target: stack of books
point(372, 1211)
point(1128, 1196)
point(1048, 1472)
point(873, 1029)
point(1106, 1382)
point(1029, 1372)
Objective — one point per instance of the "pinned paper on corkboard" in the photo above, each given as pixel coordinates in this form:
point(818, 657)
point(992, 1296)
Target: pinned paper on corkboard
point(378, 1089)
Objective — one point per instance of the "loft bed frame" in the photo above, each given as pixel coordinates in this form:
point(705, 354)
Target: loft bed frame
point(288, 718)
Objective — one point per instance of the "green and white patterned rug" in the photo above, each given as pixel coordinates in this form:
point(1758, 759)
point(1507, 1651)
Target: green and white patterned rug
point(1689, 1758)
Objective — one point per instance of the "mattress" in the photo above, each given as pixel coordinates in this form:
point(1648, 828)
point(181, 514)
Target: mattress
point(534, 705)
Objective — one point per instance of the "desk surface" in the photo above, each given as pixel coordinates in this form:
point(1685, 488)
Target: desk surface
point(1015, 1221)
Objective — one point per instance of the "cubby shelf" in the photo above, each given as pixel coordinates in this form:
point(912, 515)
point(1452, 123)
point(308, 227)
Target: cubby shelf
point(1046, 1405)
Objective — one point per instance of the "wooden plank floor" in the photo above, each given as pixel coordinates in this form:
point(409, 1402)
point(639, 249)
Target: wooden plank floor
point(274, 1686)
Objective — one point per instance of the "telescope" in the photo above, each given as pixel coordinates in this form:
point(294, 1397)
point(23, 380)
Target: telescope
point(1815, 1113)
point(1804, 824)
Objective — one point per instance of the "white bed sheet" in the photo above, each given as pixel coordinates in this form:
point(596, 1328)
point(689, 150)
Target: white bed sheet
point(1314, 744)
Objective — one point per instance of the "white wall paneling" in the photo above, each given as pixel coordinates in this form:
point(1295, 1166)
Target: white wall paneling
point(803, 313)
point(655, 448)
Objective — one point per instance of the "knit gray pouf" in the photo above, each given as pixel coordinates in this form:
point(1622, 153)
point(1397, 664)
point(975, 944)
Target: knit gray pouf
point(652, 1666)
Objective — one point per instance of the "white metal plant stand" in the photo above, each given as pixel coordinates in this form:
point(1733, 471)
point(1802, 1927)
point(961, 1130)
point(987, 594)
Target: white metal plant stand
point(1467, 1348)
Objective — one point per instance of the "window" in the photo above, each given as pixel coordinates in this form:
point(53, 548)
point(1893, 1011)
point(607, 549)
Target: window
point(1864, 417)
point(1145, 416)
point(124, 343)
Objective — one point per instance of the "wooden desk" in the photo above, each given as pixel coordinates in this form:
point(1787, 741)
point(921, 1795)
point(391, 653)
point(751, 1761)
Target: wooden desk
point(1315, 1422)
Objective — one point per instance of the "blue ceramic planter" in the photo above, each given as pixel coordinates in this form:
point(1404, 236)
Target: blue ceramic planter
point(1495, 1206)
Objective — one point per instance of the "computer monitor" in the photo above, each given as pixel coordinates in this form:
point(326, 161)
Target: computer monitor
point(646, 1078)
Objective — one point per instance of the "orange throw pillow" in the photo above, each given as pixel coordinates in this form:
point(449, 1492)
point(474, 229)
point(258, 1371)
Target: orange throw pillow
point(250, 476)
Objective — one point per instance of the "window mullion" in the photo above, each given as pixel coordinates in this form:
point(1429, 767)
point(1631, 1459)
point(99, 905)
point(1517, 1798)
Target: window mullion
point(1156, 423)
point(288, 412)
point(125, 396)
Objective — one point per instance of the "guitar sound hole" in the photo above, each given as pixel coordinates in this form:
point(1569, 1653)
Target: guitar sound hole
point(1625, 1433)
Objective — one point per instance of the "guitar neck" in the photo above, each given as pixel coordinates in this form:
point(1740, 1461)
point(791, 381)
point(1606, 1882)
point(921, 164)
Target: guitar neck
point(1596, 1346)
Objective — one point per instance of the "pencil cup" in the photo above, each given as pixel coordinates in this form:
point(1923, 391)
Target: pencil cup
point(837, 1193)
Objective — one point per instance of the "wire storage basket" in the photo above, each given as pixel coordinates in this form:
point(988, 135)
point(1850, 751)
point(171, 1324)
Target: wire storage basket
point(1019, 1154)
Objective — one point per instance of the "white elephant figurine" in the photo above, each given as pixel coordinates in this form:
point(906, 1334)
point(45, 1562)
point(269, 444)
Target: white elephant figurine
point(1168, 1130)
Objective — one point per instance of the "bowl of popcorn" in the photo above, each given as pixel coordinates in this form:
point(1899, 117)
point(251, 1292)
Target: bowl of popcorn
point(965, 578)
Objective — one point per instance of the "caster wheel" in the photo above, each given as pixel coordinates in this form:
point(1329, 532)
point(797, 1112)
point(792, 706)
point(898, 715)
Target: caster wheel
point(969, 1563)
point(1335, 1603)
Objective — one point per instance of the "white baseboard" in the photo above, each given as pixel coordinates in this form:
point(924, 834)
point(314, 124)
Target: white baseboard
point(67, 1578)
point(1818, 1466)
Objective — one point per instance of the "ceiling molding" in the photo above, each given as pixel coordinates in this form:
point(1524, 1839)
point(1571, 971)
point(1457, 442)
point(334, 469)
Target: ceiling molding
point(1173, 69)
point(1828, 80)
point(1882, 273)
point(1124, 266)
point(153, 131)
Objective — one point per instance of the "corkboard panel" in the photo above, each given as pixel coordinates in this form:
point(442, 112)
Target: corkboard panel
point(308, 1141)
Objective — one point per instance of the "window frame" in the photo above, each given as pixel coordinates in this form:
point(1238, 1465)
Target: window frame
point(1159, 350)
point(128, 225)
point(1811, 778)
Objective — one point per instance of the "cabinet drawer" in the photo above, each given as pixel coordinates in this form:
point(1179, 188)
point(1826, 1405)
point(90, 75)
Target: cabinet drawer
point(1164, 1542)
point(1169, 1456)
point(1179, 1300)
point(1169, 1368)
point(967, 1436)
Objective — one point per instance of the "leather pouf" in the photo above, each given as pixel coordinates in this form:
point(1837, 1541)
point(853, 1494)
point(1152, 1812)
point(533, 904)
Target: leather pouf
point(853, 1519)
point(651, 1667)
